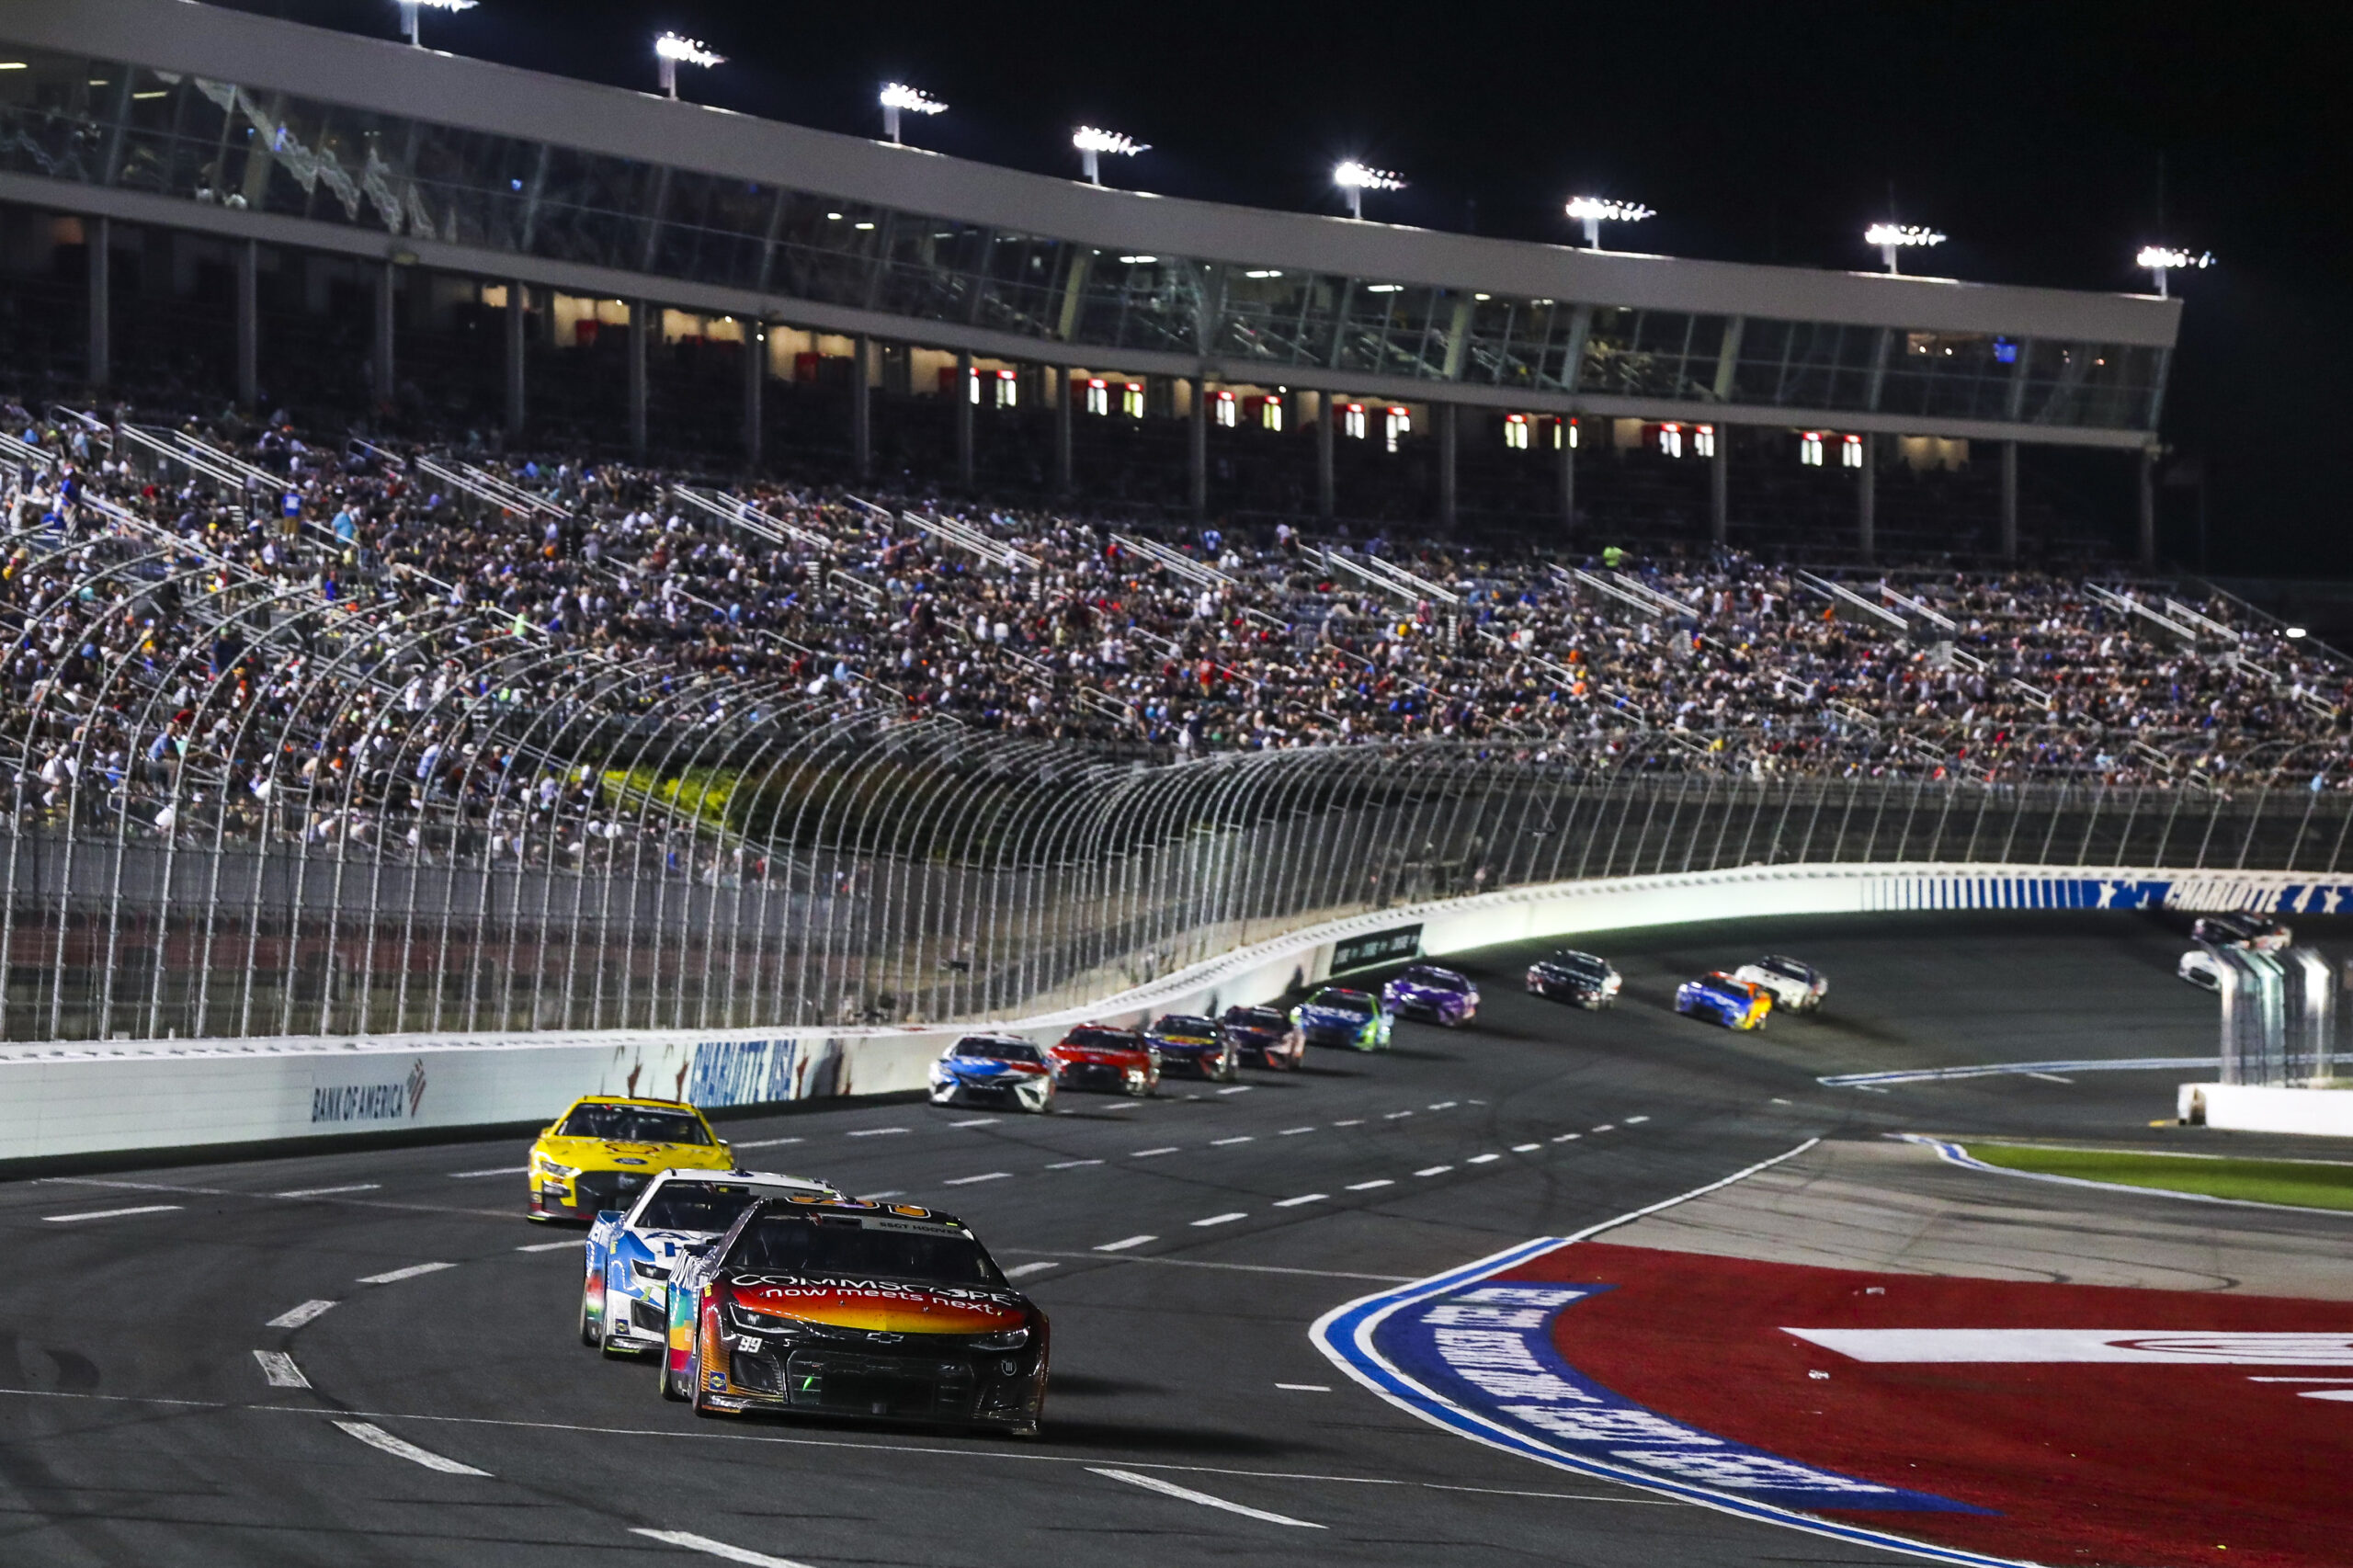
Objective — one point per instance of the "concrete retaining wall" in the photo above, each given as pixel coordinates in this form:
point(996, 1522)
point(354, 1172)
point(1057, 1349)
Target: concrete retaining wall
point(2251, 1108)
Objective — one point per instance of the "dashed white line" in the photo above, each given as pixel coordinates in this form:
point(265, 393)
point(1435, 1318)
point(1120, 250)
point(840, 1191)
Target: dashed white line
point(1238, 1089)
point(1148, 1154)
point(1306, 1388)
point(1524, 1148)
point(1606, 1127)
point(1481, 1159)
point(329, 1191)
point(877, 1132)
point(1568, 1138)
point(109, 1213)
point(1444, 1105)
point(1397, 1116)
point(1352, 1121)
point(1071, 1165)
point(2048, 1077)
point(1302, 1198)
point(1220, 1220)
point(978, 1121)
point(1434, 1170)
point(1634, 1120)
point(717, 1549)
point(1221, 1143)
point(279, 1368)
point(375, 1436)
point(295, 1317)
point(1779, 1100)
point(1293, 1132)
point(1170, 1489)
point(767, 1143)
point(1123, 1245)
point(411, 1272)
point(550, 1246)
point(984, 1176)
point(1028, 1269)
point(519, 1170)
point(1369, 1186)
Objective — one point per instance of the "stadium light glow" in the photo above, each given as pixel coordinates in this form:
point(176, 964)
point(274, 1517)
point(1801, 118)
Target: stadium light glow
point(1355, 179)
point(897, 96)
point(670, 51)
point(1594, 210)
point(411, 9)
point(1890, 238)
point(2162, 259)
point(1093, 143)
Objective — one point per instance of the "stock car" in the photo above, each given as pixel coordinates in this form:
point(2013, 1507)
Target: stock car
point(993, 1070)
point(1196, 1044)
point(1265, 1037)
point(1717, 996)
point(601, 1153)
point(2200, 968)
point(1795, 987)
point(1338, 1015)
point(1427, 991)
point(2241, 931)
point(1098, 1056)
point(1572, 976)
point(625, 1290)
point(833, 1306)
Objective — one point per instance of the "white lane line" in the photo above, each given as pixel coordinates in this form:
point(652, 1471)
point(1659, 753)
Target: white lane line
point(1434, 1170)
point(1124, 1245)
point(978, 1121)
point(1369, 1186)
point(1221, 1143)
point(717, 1549)
point(1071, 1165)
point(375, 1436)
point(1238, 1089)
point(1148, 1154)
point(1306, 1388)
point(766, 1143)
point(1028, 1269)
point(1397, 1116)
point(1606, 1127)
point(1220, 1220)
point(279, 1368)
point(501, 1170)
point(1568, 1138)
point(878, 1131)
point(2048, 1077)
point(1442, 1105)
point(1302, 1198)
point(984, 1176)
point(295, 1317)
point(1779, 1100)
point(1352, 1121)
point(1170, 1489)
point(1635, 1120)
point(109, 1213)
point(330, 1191)
point(1293, 1132)
point(886, 1192)
point(411, 1272)
point(1481, 1159)
point(1524, 1148)
point(551, 1246)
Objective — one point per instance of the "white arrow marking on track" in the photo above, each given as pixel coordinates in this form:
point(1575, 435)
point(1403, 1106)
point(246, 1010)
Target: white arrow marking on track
point(1170, 1489)
point(279, 1368)
point(375, 1436)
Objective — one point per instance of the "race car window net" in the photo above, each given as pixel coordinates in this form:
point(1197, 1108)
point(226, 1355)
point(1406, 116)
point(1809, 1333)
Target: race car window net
point(1104, 1040)
point(633, 1124)
point(1263, 1017)
point(1789, 968)
point(1421, 977)
point(811, 1244)
point(695, 1206)
point(1583, 962)
point(998, 1050)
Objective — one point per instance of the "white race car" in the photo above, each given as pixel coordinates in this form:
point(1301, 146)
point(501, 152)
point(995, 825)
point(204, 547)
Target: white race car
point(2202, 968)
point(1794, 987)
point(625, 1294)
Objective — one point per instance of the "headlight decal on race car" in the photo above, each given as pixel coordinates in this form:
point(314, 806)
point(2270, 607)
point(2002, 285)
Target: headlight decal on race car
point(1496, 1379)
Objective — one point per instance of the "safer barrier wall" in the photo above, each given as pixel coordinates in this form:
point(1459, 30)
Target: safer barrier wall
point(96, 1099)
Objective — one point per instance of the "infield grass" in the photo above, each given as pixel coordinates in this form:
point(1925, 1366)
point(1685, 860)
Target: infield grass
point(2303, 1183)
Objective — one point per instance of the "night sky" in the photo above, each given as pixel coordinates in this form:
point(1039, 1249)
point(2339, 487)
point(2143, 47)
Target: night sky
point(2033, 135)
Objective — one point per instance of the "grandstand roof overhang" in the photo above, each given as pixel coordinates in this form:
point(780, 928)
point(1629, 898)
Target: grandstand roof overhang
point(598, 189)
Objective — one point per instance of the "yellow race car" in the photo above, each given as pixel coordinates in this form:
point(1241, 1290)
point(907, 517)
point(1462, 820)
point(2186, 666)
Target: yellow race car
point(601, 1153)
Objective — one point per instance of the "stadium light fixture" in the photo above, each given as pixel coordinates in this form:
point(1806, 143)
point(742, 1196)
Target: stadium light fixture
point(1093, 143)
point(897, 96)
point(2162, 259)
point(1594, 212)
point(1355, 179)
point(1892, 238)
point(670, 51)
point(411, 10)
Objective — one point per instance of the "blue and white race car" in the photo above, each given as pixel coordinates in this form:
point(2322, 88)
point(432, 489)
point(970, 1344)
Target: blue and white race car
point(1425, 991)
point(994, 1070)
point(1338, 1015)
point(624, 1293)
point(1720, 999)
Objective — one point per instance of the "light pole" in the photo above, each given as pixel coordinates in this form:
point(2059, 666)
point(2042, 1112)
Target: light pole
point(1093, 143)
point(670, 51)
point(1890, 238)
point(1355, 179)
point(2162, 259)
point(897, 96)
point(411, 8)
point(1594, 212)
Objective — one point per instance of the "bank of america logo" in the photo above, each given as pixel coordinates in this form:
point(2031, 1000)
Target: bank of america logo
point(415, 1085)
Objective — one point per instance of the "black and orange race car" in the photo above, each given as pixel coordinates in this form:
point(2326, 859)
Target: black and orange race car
point(1100, 1056)
point(840, 1306)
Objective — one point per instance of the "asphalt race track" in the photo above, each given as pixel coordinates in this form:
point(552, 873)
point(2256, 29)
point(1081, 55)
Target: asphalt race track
point(179, 1390)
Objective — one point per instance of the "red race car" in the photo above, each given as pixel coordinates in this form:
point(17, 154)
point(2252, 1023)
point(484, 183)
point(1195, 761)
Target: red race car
point(1097, 1056)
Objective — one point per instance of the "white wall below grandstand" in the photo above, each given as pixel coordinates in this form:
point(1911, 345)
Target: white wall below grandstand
point(87, 1098)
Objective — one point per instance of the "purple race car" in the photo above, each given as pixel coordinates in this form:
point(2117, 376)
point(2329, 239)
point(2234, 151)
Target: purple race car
point(1424, 990)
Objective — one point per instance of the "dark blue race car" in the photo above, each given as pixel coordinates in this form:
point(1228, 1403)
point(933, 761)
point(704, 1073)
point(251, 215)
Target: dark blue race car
point(1427, 991)
point(1721, 999)
point(1187, 1042)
